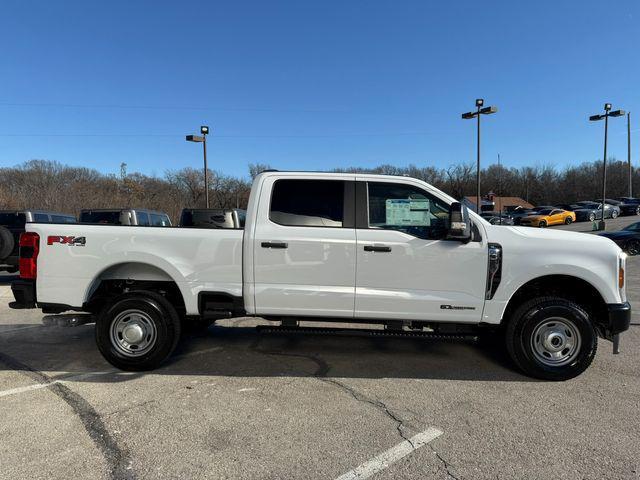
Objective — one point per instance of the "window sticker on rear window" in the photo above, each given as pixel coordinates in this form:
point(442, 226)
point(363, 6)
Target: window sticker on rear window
point(403, 211)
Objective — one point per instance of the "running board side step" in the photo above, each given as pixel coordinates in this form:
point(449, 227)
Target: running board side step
point(363, 332)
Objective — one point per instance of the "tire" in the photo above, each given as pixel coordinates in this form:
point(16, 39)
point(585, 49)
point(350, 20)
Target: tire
point(151, 343)
point(614, 214)
point(568, 221)
point(542, 224)
point(632, 247)
point(7, 243)
point(592, 217)
point(571, 340)
point(637, 212)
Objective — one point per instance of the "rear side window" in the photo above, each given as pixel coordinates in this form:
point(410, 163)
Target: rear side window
point(40, 218)
point(308, 203)
point(143, 218)
point(160, 220)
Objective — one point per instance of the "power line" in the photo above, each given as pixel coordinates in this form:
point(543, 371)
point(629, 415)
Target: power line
point(139, 135)
point(168, 107)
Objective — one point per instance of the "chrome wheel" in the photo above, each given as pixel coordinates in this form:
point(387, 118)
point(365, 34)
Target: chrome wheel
point(556, 342)
point(133, 333)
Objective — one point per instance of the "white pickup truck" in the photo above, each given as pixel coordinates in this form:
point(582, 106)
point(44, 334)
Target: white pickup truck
point(346, 247)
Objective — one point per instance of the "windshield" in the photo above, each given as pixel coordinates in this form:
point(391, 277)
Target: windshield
point(634, 227)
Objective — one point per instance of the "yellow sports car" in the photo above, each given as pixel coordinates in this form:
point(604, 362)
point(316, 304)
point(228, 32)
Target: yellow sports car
point(547, 217)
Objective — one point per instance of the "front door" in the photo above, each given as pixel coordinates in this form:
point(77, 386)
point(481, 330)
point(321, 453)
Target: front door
point(305, 248)
point(406, 270)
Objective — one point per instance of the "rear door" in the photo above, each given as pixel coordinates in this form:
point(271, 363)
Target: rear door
point(406, 270)
point(305, 247)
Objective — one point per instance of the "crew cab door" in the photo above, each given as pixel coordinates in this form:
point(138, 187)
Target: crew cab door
point(406, 270)
point(304, 250)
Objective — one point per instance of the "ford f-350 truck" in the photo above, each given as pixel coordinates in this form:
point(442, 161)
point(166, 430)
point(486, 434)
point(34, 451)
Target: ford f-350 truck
point(336, 246)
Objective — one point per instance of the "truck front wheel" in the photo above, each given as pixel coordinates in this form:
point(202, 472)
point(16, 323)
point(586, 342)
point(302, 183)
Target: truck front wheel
point(551, 338)
point(137, 331)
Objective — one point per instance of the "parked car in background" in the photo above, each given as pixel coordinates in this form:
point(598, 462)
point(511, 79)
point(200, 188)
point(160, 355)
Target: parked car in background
point(548, 217)
point(12, 224)
point(590, 211)
point(497, 218)
point(626, 208)
point(212, 218)
point(125, 216)
point(629, 199)
point(518, 213)
point(566, 206)
point(627, 239)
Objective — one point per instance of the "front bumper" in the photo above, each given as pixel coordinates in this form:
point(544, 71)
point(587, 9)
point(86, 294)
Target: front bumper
point(24, 291)
point(617, 320)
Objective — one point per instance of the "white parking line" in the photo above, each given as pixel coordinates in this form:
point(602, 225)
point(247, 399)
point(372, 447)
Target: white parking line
point(389, 457)
point(37, 386)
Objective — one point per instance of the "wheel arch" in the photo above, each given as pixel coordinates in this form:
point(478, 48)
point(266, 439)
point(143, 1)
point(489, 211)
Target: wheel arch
point(132, 276)
point(566, 286)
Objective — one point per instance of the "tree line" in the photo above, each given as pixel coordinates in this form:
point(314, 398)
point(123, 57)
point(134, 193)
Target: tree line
point(50, 185)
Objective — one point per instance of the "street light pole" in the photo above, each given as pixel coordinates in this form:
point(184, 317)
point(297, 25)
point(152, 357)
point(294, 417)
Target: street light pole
point(478, 113)
point(629, 154)
point(204, 130)
point(604, 167)
point(607, 113)
point(206, 170)
point(478, 209)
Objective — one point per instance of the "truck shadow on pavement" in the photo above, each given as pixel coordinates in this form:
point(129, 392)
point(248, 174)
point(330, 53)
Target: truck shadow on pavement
point(71, 353)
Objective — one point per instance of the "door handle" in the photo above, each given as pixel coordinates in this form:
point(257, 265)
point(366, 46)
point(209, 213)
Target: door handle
point(377, 248)
point(274, 244)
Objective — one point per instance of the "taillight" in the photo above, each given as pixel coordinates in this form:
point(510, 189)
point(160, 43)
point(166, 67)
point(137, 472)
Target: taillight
point(29, 249)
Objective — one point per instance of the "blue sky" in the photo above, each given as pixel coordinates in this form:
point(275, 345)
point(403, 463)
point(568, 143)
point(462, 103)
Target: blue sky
point(313, 85)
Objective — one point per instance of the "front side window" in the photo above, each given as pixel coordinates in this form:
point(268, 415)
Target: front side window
point(408, 209)
point(308, 203)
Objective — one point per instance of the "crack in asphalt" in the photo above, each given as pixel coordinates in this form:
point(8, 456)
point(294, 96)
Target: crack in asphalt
point(445, 464)
point(321, 375)
point(117, 458)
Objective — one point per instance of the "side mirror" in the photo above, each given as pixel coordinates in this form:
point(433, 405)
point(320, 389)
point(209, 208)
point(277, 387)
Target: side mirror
point(459, 223)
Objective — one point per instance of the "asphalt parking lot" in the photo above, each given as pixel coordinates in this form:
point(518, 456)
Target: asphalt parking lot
point(236, 403)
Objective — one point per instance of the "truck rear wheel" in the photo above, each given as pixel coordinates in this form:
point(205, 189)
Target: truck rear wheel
point(137, 331)
point(551, 338)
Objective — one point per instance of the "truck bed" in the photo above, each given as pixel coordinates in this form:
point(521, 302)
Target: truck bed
point(69, 268)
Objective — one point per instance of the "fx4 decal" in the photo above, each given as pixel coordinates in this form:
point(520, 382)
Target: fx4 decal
point(66, 240)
